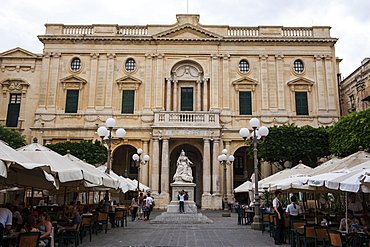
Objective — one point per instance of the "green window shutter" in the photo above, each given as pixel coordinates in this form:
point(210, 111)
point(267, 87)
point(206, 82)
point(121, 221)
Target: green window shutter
point(128, 97)
point(72, 101)
point(245, 103)
point(187, 99)
point(13, 110)
point(301, 103)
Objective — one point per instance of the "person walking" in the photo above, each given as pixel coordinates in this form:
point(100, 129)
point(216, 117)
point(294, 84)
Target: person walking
point(181, 198)
point(150, 201)
point(140, 208)
point(280, 221)
point(146, 208)
point(135, 206)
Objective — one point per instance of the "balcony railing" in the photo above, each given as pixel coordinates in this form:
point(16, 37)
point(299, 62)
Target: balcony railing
point(182, 118)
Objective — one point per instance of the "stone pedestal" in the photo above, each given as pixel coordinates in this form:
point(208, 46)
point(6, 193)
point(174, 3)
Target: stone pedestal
point(173, 215)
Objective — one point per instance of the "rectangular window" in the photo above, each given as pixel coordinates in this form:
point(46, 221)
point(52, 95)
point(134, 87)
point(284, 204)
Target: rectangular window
point(245, 103)
point(238, 165)
point(72, 101)
point(187, 100)
point(301, 103)
point(352, 101)
point(13, 110)
point(128, 97)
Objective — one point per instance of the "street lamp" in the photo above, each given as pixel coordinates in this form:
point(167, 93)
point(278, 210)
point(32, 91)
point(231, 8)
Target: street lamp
point(107, 138)
point(138, 163)
point(257, 137)
point(225, 161)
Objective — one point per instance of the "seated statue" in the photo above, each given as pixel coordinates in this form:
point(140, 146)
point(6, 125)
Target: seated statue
point(183, 171)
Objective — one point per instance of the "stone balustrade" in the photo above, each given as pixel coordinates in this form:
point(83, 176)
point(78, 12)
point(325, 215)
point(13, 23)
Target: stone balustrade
point(242, 31)
point(196, 118)
point(78, 30)
point(132, 30)
point(297, 32)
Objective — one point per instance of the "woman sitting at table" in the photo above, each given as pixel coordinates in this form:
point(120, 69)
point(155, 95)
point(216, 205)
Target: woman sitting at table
point(30, 224)
point(45, 227)
point(351, 220)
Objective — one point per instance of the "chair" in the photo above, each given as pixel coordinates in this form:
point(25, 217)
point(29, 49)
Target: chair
point(321, 236)
point(335, 238)
point(242, 217)
point(272, 225)
point(308, 235)
point(101, 220)
point(86, 226)
point(119, 217)
point(265, 221)
point(287, 230)
point(296, 232)
point(67, 235)
point(28, 239)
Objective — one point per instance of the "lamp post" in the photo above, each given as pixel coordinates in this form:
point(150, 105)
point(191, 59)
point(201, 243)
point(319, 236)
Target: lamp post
point(257, 137)
point(225, 161)
point(107, 138)
point(139, 162)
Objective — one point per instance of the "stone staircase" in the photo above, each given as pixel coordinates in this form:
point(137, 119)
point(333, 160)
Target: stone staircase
point(181, 218)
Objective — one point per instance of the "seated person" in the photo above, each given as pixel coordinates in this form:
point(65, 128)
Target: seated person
point(351, 220)
point(29, 224)
point(17, 218)
point(75, 221)
point(45, 227)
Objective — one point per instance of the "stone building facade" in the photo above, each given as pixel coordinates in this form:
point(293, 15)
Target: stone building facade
point(355, 89)
point(171, 87)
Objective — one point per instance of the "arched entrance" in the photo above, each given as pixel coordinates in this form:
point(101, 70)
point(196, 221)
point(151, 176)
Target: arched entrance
point(197, 168)
point(123, 163)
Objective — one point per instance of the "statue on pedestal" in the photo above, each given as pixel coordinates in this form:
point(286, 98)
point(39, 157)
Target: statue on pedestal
point(183, 171)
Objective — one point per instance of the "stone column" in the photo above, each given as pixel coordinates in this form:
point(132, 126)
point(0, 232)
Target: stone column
point(165, 172)
point(149, 81)
point(206, 167)
point(216, 188)
point(54, 79)
point(175, 99)
point(205, 94)
point(215, 85)
point(320, 82)
point(168, 94)
point(92, 82)
point(145, 169)
point(332, 89)
point(109, 80)
point(226, 85)
point(44, 80)
point(159, 83)
point(101, 83)
point(264, 83)
point(155, 167)
point(229, 171)
point(199, 96)
point(280, 82)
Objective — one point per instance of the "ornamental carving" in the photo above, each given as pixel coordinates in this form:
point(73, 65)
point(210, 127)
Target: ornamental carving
point(15, 85)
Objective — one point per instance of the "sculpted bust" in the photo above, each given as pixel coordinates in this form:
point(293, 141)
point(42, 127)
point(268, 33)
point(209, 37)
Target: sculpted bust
point(183, 171)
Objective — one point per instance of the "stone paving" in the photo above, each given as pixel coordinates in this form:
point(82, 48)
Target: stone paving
point(223, 232)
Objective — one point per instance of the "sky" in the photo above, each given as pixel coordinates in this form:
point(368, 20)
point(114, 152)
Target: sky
point(22, 20)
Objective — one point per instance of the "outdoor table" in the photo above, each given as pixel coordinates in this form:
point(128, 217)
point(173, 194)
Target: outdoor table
point(10, 239)
point(250, 215)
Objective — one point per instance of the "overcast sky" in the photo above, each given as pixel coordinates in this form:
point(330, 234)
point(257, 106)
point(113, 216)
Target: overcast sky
point(22, 20)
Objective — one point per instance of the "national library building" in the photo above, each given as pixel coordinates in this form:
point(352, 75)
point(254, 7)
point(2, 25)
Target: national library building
point(184, 86)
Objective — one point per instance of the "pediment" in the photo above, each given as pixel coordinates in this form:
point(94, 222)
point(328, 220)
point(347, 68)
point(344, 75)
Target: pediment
point(73, 82)
point(300, 84)
point(128, 82)
point(14, 85)
point(187, 31)
point(245, 83)
point(18, 52)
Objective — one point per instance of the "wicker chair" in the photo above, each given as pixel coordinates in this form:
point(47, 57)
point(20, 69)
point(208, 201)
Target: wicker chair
point(28, 239)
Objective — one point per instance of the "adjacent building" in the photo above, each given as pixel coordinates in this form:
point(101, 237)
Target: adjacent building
point(171, 87)
point(355, 90)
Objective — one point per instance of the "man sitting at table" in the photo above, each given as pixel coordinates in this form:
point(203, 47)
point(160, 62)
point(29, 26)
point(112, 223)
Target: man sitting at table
point(76, 220)
point(351, 220)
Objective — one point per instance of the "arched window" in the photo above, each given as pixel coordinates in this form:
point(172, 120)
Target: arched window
point(243, 66)
point(298, 66)
point(76, 64)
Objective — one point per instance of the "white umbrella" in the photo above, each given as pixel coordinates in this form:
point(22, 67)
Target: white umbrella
point(124, 185)
point(245, 187)
point(92, 174)
point(64, 169)
point(320, 179)
point(269, 181)
point(142, 187)
point(290, 183)
point(345, 163)
point(18, 170)
point(350, 182)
